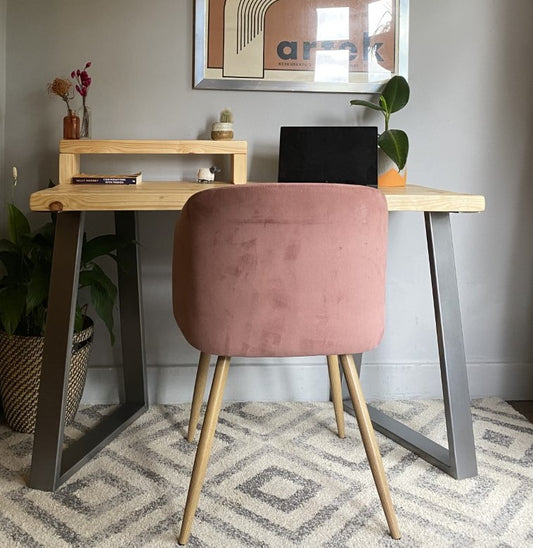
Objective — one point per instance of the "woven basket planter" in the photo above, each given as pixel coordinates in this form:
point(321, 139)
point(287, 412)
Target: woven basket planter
point(20, 372)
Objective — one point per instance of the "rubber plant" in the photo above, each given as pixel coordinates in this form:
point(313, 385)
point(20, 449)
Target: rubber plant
point(394, 96)
point(25, 268)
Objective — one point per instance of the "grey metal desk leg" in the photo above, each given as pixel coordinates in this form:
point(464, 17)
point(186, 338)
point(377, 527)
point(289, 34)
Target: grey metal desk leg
point(459, 459)
point(462, 458)
point(50, 422)
point(130, 303)
point(51, 465)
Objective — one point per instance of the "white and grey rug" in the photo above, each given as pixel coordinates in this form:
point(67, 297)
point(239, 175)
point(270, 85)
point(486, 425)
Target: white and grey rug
point(278, 477)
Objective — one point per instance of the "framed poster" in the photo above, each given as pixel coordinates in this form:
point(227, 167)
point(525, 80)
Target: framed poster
point(351, 46)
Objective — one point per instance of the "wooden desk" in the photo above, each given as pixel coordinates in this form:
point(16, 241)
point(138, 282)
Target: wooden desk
point(171, 196)
point(51, 466)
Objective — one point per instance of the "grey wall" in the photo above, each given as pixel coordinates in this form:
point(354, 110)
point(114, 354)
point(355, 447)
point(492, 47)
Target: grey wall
point(470, 127)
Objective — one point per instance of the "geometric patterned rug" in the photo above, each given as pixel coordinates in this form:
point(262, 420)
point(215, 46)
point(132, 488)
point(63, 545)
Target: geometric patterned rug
point(278, 477)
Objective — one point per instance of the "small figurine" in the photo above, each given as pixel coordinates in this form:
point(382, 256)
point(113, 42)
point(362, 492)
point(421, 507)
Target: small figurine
point(207, 174)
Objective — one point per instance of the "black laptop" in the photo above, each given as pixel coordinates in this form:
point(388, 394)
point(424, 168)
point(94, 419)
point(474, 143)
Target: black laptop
point(328, 154)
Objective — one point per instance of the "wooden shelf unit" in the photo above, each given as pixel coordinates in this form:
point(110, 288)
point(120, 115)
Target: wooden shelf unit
point(70, 152)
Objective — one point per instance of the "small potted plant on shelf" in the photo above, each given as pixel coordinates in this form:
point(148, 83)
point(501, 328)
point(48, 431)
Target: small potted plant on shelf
point(62, 87)
point(393, 143)
point(223, 129)
point(25, 269)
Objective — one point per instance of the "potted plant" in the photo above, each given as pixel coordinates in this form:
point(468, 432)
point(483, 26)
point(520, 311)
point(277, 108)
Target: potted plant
point(71, 122)
point(393, 143)
point(223, 130)
point(25, 267)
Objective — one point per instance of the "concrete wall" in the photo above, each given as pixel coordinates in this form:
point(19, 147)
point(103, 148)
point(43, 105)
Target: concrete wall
point(470, 127)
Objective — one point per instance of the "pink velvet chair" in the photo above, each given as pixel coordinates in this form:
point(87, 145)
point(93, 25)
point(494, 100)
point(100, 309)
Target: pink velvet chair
point(288, 269)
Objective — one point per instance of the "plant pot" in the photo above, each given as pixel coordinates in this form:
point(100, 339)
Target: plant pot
point(222, 131)
point(20, 372)
point(388, 174)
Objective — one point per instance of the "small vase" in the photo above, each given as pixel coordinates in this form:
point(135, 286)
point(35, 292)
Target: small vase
point(222, 131)
point(71, 126)
point(86, 123)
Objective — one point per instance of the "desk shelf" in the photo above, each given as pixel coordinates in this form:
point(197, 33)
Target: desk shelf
point(70, 152)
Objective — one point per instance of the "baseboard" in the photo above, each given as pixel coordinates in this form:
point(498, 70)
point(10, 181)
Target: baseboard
point(307, 380)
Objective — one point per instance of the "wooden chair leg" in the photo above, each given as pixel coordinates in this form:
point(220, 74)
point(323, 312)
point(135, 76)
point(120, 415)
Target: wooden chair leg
point(204, 446)
point(336, 392)
point(370, 443)
point(198, 395)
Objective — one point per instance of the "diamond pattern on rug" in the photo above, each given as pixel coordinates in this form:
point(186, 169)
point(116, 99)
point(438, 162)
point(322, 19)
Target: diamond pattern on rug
point(279, 476)
point(280, 488)
point(96, 494)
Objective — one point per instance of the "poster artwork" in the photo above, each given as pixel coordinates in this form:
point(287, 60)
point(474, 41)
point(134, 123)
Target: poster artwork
point(312, 40)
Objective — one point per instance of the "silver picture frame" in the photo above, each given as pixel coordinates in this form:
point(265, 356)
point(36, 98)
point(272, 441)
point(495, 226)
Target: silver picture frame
point(290, 45)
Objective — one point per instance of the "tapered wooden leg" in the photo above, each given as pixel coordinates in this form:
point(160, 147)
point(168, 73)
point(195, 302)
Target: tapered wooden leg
point(198, 395)
point(336, 392)
point(204, 446)
point(370, 442)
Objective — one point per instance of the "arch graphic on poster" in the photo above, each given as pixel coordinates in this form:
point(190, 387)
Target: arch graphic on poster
point(244, 37)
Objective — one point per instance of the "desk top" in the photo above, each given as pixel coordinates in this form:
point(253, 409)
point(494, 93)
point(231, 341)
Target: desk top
point(168, 196)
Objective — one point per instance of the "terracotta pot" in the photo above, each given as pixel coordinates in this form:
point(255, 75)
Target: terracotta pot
point(388, 174)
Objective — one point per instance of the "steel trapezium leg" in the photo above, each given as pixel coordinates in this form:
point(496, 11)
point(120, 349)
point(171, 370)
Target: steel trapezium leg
point(51, 465)
point(50, 422)
point(134, 402)
point(461, 447)
point(459, 460)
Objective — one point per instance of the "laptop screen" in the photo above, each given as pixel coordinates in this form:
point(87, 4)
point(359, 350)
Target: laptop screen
point(322, 154)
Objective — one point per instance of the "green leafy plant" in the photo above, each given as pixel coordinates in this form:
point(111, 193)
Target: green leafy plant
point(25, 268)
point(394, 96)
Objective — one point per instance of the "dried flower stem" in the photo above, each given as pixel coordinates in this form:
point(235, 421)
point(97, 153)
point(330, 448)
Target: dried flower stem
point(62, 88)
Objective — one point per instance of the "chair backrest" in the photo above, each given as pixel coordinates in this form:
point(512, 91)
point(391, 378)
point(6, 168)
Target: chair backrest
point(289, 269)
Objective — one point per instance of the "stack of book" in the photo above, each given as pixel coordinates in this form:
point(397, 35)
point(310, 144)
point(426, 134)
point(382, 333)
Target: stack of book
point(83, 179)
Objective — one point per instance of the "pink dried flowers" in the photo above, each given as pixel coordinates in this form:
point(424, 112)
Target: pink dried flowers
point(83, 80)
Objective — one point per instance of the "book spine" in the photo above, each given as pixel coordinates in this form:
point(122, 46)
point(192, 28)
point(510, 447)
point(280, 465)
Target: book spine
point(105, 180)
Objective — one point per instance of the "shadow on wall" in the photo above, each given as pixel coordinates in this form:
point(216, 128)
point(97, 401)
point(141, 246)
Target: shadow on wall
point(519, 286)
point(517, 36)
